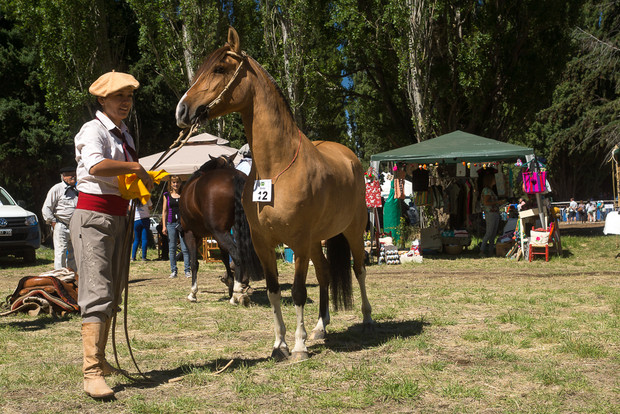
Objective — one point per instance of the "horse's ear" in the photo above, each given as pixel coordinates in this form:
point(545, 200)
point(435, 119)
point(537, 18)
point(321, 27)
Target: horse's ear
point(212, 157)
point(233, 40)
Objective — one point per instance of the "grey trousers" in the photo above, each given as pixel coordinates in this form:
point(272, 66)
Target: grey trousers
point(492, 224)
point(98, 244)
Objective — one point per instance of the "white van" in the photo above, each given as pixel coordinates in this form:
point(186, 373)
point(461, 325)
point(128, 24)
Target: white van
point(20, 234)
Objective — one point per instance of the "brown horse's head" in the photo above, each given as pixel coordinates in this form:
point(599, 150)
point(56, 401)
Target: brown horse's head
point(218, 87)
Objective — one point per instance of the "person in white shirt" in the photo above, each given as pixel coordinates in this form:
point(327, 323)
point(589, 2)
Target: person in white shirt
point(245, 164)
point(572, 210)
point(57, 211)
point(104, 149)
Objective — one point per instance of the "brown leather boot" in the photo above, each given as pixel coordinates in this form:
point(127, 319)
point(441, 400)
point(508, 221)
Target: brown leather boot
point(94, 384)
point(105, 366)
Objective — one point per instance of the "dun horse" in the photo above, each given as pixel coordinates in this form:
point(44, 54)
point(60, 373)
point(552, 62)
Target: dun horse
point(317, 188)
point(210, 204)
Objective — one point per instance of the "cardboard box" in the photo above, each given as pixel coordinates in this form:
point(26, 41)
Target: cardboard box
point(502, 248)
point(528, 213)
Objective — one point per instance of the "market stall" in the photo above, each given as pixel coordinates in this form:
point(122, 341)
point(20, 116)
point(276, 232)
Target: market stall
point(455, 161)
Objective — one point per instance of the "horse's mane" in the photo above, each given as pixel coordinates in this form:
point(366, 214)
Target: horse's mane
point(212, 164)
point(275, 85)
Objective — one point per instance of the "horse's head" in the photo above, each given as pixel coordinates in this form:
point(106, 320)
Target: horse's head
point(218, 87)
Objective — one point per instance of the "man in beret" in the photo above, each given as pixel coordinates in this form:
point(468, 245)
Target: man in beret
point(57, 210)
point(104, 149)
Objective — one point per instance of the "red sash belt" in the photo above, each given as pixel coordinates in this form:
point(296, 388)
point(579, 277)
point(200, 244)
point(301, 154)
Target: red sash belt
point(103, 203)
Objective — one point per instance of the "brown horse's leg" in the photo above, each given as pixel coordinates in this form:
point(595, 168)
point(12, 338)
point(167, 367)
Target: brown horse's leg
point(355, 237)
point(226, 242)
point(190, 242)
point(300, 294)
point(267, 257)
point(321, 268)
point(229, 279)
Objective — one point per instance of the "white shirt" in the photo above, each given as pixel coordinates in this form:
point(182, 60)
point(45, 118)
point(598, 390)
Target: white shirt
point(93, 144)
point(245, 166)
point(60, 203)
point(572, 206)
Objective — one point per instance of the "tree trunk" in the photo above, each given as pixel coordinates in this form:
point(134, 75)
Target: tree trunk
point(418, 63)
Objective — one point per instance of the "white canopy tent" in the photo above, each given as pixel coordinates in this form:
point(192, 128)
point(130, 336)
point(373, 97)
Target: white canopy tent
point(192, 155)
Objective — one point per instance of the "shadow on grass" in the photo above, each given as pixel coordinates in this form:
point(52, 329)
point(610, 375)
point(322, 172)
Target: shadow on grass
point(41, 322)
point(157, 378)
point(7, 262)
point(356, 338)
point(353, 339)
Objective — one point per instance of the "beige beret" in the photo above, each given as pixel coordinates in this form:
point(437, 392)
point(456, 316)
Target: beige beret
point(111, 82)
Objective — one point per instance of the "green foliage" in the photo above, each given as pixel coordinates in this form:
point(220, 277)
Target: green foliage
point(579, 127)
point(373, 75)
point(34, 144)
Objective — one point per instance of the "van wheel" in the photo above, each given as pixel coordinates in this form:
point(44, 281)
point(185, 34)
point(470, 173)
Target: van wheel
point(30, 256)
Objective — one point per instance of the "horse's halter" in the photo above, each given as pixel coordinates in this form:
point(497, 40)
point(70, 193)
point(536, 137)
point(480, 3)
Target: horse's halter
point(243, 57)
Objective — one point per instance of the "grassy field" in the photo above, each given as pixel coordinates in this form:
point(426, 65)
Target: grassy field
point(453, 334)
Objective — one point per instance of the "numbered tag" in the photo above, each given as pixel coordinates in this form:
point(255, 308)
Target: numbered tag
point(262, 191)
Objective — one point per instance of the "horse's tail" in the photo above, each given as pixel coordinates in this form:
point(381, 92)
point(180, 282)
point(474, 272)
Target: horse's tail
point(339, 258)
point(250, 264)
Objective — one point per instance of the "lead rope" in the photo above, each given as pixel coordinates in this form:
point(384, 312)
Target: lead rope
point(292, 161)
point(183, 137)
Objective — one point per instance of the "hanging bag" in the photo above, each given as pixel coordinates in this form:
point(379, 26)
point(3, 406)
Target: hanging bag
point(534, 182)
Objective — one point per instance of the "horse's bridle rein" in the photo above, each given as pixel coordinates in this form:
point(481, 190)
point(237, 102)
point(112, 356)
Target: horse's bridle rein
point(243, 57)
point(183, 137)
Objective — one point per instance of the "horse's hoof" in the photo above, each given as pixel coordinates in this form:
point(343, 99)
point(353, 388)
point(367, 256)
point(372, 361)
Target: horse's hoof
point(280, 354)
point(317, 334)
point(192, 298)
point(299, 356)
point(240, 298)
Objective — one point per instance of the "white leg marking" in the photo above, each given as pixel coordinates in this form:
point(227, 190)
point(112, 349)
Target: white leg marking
point(300, 332)
point(366, 308)
point(280, 329)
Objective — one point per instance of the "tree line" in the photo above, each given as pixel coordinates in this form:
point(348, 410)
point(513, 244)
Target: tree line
point(372, 74)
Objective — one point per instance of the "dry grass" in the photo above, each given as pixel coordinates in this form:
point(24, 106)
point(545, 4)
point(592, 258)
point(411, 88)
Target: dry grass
point(464, 335)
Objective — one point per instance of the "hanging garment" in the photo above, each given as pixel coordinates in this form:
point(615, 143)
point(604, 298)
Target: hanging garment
point(373, 194)
point(420, 198)
point(391, 216)
point(419, 180)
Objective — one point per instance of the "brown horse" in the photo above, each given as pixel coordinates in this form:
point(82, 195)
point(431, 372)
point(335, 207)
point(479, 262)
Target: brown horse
point(317, 192)
point(210, 204)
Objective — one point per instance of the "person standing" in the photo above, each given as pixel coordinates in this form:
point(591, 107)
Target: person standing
point(245, 164)
point(591, 210)
point(581, 211)
point(104, 149)
point(172, 226)
point(141, 228)
point(572, 210)
point(57, 210)
point(490, 206)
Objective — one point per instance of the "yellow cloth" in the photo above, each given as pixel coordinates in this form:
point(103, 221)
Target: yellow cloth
point(132, 187)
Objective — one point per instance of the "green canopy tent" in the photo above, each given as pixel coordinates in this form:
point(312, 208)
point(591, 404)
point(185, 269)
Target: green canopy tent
point(452, 148)
point(455, 147)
